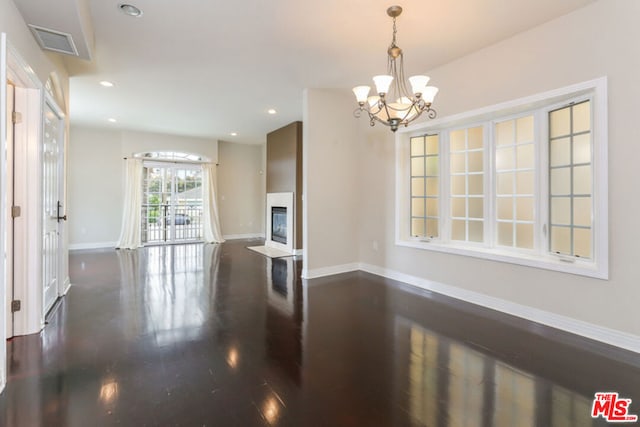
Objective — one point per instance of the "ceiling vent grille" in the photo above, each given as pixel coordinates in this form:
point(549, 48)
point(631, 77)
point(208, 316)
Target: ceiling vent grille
point(55, 41)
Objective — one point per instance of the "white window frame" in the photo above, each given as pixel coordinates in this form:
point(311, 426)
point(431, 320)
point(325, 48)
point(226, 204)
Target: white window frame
point(539, 104)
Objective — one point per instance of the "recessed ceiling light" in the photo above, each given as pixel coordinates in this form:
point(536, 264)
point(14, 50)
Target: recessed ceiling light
point(112, 120)
point(106, 83)
point(234, 133)
point(129, 9)
point(271, 111)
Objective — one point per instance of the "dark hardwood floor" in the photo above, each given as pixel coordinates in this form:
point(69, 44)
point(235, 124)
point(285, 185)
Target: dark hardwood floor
point(195, 335)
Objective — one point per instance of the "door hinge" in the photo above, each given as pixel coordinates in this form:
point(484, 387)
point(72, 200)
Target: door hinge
point(15, 305)
point(15, 211)
point(16, 117)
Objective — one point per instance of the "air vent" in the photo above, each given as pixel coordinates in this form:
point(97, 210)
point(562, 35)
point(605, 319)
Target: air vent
point(55, 41)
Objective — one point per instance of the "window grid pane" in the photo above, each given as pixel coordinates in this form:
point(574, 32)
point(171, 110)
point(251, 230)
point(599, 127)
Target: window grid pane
point(467, 200)
point(515, 179)
point(571, 180)
point(424, 186)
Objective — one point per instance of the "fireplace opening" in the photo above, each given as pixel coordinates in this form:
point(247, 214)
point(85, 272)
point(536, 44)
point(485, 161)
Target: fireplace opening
point(279, 224)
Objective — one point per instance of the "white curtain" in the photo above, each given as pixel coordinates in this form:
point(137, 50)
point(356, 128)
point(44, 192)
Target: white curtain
point(130, 236)
point(210, 217)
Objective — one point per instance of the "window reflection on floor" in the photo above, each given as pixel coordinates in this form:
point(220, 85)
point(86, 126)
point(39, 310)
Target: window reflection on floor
point(448, 383)
point(168, 290)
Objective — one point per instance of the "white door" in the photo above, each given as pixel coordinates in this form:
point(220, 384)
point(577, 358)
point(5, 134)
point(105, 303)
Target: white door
point(51, 159)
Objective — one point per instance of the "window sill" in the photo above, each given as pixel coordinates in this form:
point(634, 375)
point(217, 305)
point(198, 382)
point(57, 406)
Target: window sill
point(569, 265)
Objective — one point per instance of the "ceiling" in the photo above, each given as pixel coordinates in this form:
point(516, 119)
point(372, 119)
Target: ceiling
point(208, 68)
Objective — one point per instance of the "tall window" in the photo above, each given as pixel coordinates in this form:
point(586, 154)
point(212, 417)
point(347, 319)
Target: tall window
point(515, 183)
point(425, 172)
point(467, 181)
point(570, 179)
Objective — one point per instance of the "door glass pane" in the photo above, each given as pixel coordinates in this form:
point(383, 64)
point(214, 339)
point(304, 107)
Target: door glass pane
point(504, 133)
point(417, 227)
point(417, 146)
point(582, 180)
point(432, 144)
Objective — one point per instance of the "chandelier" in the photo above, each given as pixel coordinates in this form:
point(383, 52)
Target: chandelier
point(404, 106)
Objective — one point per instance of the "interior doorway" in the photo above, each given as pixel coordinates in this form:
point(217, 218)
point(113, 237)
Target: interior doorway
point(172, 203)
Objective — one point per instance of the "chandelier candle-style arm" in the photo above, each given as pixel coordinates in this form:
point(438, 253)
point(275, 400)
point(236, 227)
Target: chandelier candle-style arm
point(394, 105)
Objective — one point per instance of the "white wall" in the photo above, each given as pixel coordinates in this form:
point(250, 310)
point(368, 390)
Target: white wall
point(96, 181)
point(330, 185)
point(598, 40)
point(241, 189)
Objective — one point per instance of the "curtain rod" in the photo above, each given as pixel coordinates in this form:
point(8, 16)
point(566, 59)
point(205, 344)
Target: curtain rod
point(193, 162)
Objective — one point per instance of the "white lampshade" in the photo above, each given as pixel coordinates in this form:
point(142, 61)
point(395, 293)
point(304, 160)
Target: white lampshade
point(418, 83)
point(361, 93)
point(429, 93)
point(382, 83)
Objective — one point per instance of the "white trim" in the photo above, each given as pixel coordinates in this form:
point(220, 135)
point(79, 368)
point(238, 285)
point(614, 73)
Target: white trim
point(243, 236)
point(597, 267)
point(330, 271)
point(93, 245)
point(5, 316)
point(602, 334)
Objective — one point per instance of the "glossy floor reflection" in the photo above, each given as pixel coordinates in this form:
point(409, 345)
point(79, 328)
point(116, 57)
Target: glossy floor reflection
point(195, 335)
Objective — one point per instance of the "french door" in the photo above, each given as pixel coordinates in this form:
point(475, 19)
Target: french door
point(52, 205)
point(172, 203)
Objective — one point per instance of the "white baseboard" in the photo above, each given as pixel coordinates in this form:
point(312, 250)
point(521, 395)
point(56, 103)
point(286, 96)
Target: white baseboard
point(243, 236)
point(95, 245)
point(329, 271)
point(578, 327)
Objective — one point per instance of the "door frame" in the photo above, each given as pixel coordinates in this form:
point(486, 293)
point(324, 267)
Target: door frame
point(27, 250)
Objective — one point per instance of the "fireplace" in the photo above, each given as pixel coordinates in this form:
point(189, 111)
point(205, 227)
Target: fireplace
point(279, 224)
point(280, 228)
